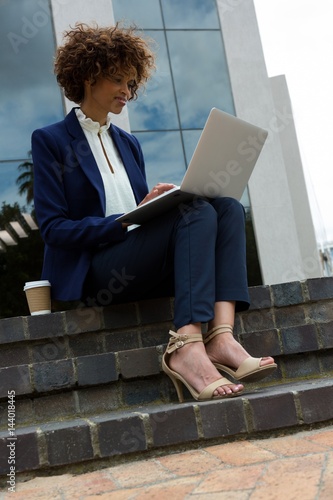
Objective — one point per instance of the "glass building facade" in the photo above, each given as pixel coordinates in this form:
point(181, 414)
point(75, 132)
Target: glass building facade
point(29, 95)
point(191, 78)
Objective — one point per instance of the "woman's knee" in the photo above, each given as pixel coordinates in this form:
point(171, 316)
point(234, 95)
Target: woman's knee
point(229, 207)
point(198, 210)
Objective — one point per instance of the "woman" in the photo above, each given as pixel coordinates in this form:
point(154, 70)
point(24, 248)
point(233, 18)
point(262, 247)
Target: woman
point(88, 171)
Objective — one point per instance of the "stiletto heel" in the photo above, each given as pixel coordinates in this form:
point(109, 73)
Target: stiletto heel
point(178, 386)
point(248, 371)
point(176, 342)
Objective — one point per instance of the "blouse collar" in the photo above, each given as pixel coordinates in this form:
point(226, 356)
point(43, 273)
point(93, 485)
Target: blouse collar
point(89, 124)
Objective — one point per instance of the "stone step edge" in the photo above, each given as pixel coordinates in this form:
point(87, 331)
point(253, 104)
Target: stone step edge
point(49, 377)
point(77, 321)
point(150, 428)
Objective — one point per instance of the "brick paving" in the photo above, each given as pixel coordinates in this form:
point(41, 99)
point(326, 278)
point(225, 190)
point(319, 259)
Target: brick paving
point(291, 467)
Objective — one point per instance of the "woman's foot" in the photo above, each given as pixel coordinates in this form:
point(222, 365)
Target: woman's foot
point(192, 363)
point(223, 349)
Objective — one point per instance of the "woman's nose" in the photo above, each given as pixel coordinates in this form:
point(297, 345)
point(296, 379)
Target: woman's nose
point(126, 90)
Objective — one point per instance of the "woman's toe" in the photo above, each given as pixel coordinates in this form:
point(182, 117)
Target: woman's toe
point(234, 388)
point(268, 360)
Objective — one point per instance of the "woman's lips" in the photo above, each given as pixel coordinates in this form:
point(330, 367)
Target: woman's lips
point(121, 100)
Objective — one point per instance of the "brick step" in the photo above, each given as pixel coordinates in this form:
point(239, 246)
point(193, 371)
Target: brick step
point(83, 360)
point(83, 365)
point(154, 428)
point(47, 389)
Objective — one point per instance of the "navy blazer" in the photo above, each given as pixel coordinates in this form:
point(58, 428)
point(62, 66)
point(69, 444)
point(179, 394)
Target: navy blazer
point(69, 200)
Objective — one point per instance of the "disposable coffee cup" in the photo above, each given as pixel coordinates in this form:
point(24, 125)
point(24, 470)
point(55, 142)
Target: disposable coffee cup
point(38, 295)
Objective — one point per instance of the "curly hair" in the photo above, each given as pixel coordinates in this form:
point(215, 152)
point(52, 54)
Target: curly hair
point(92, 52)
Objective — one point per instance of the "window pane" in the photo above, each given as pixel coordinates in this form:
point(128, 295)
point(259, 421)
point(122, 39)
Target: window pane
point(164, 156)
point(29, 95)
point(146, 14)
point(155, 109)
point(190, 14)
point(9, 190)
point(191, 138)
point(200, 74)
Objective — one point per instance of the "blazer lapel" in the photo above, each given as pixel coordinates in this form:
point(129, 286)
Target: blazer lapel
point(138, 183)
point(84, 155)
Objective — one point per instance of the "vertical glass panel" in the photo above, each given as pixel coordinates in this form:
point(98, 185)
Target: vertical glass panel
point(155, 108)
point(145, 14)
point(190, 138)
point(164, 156)
point(200, 74)
point(190, 14)
point(29, 95)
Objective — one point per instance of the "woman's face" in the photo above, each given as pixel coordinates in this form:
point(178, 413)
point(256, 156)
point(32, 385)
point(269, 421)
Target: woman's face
point(108, 94)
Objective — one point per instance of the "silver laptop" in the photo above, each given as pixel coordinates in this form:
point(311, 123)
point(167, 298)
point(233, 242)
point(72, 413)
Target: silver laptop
point(221, 165)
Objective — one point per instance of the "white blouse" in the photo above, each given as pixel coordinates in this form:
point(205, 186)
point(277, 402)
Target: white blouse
point(118, 190)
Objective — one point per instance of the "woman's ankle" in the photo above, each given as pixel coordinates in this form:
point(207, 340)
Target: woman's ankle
point(190, 329)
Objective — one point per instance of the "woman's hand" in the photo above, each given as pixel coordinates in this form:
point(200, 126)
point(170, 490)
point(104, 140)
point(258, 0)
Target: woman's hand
point(160, 188)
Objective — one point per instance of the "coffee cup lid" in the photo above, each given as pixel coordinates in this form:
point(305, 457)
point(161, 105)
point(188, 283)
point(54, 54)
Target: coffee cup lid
point(35, 284)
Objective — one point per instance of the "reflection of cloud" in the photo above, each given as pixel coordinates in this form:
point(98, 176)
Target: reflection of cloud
point(34, 107)
point(197, 15)
point(26, 39)
point(191, 138)
point(156, 108)
point(29, 94)
point(149, 17)
point(199, 91)
point(153, 113)
point(163, 155)
point(9, 190)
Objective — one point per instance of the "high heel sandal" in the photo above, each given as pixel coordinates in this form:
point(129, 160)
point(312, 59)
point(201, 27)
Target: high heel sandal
point(248, 371)
point(176, 342)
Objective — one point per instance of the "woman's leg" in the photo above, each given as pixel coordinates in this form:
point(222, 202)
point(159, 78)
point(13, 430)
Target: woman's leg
point(193, 364)
point(224, 349)
point(231, 283)
point(195, 270)
point(178, 248)
point(182, 241)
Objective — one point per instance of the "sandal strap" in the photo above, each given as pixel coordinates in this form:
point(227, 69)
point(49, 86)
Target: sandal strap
point(178, 340)
point(218, 330)
point(207, 392)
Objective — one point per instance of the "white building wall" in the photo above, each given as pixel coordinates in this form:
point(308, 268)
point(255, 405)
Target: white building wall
point(310, 265)
point(273, 214)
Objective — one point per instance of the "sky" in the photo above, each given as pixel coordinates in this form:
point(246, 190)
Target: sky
point(297, 39)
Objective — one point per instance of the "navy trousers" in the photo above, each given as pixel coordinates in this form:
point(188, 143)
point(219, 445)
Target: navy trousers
point(195, 252)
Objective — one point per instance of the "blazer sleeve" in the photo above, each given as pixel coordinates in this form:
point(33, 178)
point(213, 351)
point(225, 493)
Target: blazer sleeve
point(52, 199)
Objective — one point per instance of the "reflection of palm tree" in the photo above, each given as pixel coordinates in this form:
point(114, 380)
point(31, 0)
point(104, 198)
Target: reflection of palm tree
point(26, 179)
